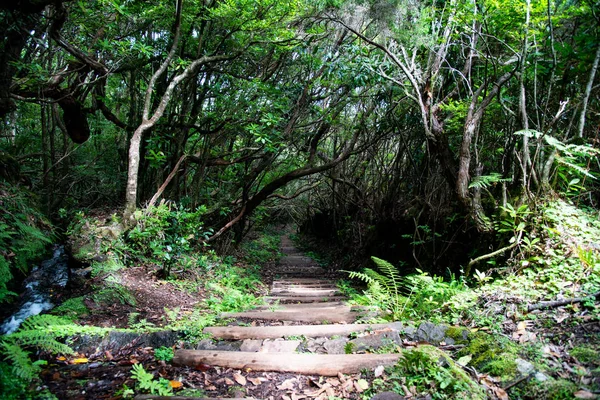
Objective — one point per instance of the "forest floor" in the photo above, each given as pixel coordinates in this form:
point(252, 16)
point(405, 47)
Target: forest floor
point(468, 342)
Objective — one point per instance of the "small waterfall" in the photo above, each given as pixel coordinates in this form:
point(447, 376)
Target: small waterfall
point(49, 274)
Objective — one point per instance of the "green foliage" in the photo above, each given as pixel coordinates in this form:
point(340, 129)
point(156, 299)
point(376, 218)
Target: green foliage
point(164, 354)
point(24, 234)
point(492, 354)
point(413, 296)
point(165, 232)
point(431, 374)
point(585, 354)
point(72, 308)
point(146, 382)
point(113, 292)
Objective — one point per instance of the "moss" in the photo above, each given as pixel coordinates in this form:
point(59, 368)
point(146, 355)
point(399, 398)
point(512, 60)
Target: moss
point(492, 354)
point(552, 389)
point(457, 333)
point(429, 368)
point(72, 308)
point(585, 354)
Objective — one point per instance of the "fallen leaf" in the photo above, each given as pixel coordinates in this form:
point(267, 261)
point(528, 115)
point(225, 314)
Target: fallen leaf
point(176, 384)
point(296, 396)
point(81, 360)
point(521, 326)
point(61, 358)
point(288, 384)
point(284, 397)
point(211, 388)
point(379, 371)
point(464, 360)
point(229, 382)
point(202, 367)
point(239, 379)
point(584, 394)
point(364, 385)
point(255, 381)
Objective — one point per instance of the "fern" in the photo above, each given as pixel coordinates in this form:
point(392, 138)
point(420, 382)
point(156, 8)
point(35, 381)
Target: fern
point(485, 181)
point(146, 382)
point(22, 366)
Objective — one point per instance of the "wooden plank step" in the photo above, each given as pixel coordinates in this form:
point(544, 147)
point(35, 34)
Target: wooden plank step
point(302, 306)
point(275, 332)
point(297, 315)
point(305, 292)
point(315, 308)
point(302, 280)
point(280, 285)
point(304, 299)
point(309, 364)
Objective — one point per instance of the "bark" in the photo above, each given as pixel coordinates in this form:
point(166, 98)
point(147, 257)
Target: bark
point(558, 303)
point(588, 91)
point(275, 332)
point(310, 364)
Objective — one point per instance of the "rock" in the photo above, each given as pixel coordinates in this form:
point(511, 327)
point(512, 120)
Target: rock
point(409, 331)
point(251, 345)
point(524, 367)
point(449, 341)
point(430, 332)
point(540, 377)
point(387, 396)
point(376, 340)
point(280, 346)
point(209, 344)
point(335, 346)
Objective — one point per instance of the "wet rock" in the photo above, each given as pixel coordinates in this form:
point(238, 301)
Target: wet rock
point(449, 341)
point(335, 346)
point(116, 340)
point(387, 396)
point(376, 340)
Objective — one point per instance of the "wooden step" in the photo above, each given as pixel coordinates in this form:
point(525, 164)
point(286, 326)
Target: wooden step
point(304, 299)
point(309, 364)
point(301, 280)
point(157, 397)
point(275, 332)
point(303, 306)
point(298, 315)
point(305, 292)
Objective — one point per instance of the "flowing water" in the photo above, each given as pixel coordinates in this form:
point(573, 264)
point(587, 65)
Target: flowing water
point(50, 274)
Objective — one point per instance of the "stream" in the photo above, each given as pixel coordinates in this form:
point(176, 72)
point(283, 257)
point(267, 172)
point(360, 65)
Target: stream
point(38, 287)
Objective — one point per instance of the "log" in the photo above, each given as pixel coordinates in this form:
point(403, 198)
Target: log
point(305, 299)
point(308, 364)
point(297, 315)
point(303, 306)
point(275, 332)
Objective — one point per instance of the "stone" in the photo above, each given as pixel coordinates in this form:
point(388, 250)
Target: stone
point(209, 344)
point(376, 340)
point(387, 396)
point(430, 332)
point(449, 341)
point(251, 345)
point(335, 346)
point(540, 377)
point(524, 367)
point(280, 346)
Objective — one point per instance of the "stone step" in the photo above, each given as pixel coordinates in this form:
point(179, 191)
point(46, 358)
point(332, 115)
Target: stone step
point(344, 315)
point(297, 260)
point(309, 364)
point(274, 332)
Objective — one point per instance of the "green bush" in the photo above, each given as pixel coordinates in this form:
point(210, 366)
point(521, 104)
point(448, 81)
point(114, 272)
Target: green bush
point(24, 234)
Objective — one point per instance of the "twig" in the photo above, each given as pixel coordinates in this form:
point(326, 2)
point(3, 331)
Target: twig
point(558, 303)
point(515, 383)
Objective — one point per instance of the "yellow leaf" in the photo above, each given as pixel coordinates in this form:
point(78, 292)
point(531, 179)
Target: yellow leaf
point(522, 326)
point(176, 384)
point(61, 358)
point(79, 360)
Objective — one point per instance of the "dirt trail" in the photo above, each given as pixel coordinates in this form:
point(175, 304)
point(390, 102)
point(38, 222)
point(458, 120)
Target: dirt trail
point(305, 329)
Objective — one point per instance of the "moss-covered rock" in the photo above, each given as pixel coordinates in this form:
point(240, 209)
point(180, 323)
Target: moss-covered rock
point(494, 355)
point(432, 372)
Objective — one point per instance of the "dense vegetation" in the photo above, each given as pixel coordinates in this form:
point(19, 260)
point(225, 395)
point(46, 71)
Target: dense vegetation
point(455, 142)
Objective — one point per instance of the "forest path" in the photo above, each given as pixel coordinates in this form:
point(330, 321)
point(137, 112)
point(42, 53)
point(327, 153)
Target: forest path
point(305, 329)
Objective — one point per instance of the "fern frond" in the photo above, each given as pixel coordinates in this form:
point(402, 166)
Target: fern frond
point(22, 366)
